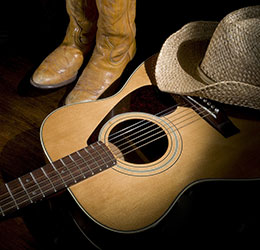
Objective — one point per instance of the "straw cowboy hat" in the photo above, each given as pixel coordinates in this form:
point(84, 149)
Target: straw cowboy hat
point(219, 61)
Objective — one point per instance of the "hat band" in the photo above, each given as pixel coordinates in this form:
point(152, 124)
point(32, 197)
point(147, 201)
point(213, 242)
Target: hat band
point(203, 76)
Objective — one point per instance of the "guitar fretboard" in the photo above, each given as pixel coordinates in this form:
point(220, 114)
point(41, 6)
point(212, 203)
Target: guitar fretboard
point(54, 177)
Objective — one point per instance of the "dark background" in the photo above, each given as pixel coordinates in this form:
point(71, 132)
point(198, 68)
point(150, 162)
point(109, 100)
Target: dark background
point(29, 31)
point(35, 27)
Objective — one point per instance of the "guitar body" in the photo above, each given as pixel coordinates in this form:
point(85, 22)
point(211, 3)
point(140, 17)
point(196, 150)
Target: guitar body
point(134, 196)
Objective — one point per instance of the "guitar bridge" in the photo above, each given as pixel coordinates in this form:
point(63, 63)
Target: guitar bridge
point(211, 112)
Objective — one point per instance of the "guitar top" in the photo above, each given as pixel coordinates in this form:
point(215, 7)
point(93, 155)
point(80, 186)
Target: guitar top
point(161, 147)
point(128, 158)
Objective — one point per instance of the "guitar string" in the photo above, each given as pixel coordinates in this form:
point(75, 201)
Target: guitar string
point(132, 127)
point(26, 199)
point(68, 165)
point(165, 112)
point(45, 180)
point(69, 173)
point(157, 138)
point(77, 170)
point(129, 128)
point(145, 138)
point(152, 128)
point(144, 122)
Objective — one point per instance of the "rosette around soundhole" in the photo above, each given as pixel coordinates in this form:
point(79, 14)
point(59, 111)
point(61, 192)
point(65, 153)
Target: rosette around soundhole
point(143, 144)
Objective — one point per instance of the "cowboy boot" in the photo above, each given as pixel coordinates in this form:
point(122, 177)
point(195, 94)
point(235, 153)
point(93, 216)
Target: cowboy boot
point(115, 47)
point(61, 66)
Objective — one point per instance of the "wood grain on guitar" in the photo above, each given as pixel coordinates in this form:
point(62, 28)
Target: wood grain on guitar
point(127, 159)
point(194, 151)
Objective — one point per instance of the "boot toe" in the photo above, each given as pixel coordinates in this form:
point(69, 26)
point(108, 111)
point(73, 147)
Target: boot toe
point(77, 96)
point(58, 69)
point(45, 80)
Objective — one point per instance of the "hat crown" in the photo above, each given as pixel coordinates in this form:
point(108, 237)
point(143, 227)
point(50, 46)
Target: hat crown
point(233, 53)
point(219, 61)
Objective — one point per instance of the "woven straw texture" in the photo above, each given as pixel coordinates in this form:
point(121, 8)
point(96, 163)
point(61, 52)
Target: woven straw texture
point(219, 61)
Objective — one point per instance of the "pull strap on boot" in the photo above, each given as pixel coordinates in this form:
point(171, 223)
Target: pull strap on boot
point(62, 65)
point(115, 47)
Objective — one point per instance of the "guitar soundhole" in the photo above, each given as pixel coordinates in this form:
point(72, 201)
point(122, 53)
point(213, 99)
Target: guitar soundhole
point(139, 141)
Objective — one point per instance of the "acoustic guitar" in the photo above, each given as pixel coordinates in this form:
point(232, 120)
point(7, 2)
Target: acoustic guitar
point(126, 159)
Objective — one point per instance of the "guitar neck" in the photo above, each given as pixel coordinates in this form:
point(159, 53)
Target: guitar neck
point(54, 177)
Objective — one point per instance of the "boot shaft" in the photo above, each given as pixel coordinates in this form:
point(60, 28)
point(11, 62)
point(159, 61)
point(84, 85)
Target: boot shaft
point(116, 28)
point(81, 31)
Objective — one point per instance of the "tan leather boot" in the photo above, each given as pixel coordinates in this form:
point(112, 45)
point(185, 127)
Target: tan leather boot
point(115, 47)
point(61, 66)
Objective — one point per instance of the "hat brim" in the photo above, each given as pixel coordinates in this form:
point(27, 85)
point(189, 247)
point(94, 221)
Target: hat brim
point(177, 66)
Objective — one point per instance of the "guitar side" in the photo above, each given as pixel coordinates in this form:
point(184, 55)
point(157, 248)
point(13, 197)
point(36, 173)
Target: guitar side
point(129, 203)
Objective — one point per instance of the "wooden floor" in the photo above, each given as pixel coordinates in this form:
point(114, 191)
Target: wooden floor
point(35, 29)
point(23, 108)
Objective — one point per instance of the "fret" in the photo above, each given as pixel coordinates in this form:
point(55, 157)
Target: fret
point(100, 156)
point(73, 167)
point(42, 183)
point(97, 159)
point(79, 164)
point(95, 168)
point(6, 200)
point(53, 166)
point(25, 190)
point(68, 170)
point(55, 190)
point(111, 158)
point(88, 165)
point(82, 153)
point(64, 173)
point(86, 162)
point(54, 177)
point(2, 211)
point(9, 191)
point(30, 187)
point(35, 181)
point(80, 160)
point(20, 194)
